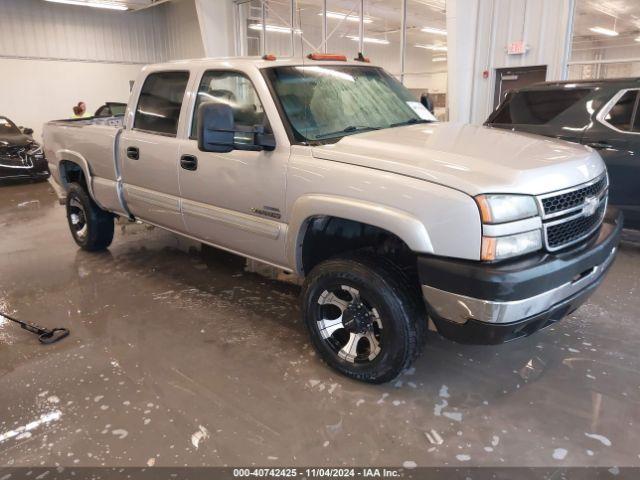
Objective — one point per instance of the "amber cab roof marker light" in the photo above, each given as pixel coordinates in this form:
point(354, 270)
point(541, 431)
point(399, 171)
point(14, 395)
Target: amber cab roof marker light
point(271, 57)
point(327, 57)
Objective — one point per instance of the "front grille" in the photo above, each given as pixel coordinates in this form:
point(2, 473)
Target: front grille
point(574, 198)
point(565, 221)
point(14, 153)
point(566, 233)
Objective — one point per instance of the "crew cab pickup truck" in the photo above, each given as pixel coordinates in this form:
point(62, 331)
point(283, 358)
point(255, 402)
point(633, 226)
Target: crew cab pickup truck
point(331, 170)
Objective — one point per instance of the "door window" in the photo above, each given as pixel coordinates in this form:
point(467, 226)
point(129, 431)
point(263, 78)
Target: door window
point(158, 109)
point(236, 90)
point(621, 114)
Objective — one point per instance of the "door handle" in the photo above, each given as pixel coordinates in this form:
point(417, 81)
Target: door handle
point(133, 153)
point(599, 145)
point(189, 162)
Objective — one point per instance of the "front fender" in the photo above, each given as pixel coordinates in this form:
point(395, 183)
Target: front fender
point(405, 226)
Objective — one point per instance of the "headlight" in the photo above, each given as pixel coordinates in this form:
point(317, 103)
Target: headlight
point(498, 248)
point(506, 208)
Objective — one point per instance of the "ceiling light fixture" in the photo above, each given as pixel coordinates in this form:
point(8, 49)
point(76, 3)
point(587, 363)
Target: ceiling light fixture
point(435, 48)
point(94, 4)
point(344, 16)
point(380, 41)
point(439, 59)
point(273, 28)
point(637, 39)
point(604, 31)
point(435, 31)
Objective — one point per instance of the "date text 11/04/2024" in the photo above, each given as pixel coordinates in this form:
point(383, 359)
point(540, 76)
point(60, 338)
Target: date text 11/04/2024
point(317, 472)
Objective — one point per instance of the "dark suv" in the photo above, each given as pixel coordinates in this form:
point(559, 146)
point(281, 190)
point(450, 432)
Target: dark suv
point(603, 114)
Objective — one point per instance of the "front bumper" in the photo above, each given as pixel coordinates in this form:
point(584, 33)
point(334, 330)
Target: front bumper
point(39, 169)
point(472, 302)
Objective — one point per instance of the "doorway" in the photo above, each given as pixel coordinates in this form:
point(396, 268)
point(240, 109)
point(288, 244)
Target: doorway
point(508, 79)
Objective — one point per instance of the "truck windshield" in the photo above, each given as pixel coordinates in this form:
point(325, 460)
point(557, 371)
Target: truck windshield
point(325, 103)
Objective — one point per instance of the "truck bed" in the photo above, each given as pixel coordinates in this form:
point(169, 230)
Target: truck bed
point(91, 143)
point(83, 122)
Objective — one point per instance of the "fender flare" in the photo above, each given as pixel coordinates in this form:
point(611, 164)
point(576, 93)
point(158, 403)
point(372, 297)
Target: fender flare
point(63, 155)
point(400, 223)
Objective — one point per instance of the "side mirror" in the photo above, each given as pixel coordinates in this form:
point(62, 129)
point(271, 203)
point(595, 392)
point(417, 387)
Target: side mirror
point(264, 140)
point(215, 127)
point(217, 131)
point(27, 131)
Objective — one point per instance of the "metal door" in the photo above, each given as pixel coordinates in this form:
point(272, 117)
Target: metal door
point(508, 79)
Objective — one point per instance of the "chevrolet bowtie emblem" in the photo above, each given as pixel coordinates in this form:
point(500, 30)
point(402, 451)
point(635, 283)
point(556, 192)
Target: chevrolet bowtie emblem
point(590, 206)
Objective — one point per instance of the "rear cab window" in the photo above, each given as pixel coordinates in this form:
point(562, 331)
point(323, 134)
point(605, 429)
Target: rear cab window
point(160, 101)
point(537, 107)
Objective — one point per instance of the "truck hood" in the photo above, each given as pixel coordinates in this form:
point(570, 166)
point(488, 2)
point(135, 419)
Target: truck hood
point(469, 158)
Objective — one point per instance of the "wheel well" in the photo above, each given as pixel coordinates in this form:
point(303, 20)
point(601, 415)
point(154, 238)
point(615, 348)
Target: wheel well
point(71, 172)
point(327, 237)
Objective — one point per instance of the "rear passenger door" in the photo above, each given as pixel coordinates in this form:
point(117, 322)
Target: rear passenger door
point(149, 151)
point(616, 136)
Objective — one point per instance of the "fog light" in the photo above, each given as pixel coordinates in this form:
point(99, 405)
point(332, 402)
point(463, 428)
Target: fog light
point(498, 248)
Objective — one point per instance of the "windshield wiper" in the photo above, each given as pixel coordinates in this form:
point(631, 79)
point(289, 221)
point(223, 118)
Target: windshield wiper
point(411, 121)
point(349, 129)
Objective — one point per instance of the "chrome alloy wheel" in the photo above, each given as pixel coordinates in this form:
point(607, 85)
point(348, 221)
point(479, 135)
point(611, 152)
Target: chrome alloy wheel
point(349, 324)
point(78, 219)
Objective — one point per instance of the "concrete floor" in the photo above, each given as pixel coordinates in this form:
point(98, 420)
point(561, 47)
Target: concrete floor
point(178, 356)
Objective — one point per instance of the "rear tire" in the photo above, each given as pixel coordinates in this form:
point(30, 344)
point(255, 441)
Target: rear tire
point(365, 318)
point(91, 227)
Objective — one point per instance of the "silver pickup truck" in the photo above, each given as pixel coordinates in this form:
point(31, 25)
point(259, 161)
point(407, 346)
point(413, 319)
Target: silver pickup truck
point(331, 170)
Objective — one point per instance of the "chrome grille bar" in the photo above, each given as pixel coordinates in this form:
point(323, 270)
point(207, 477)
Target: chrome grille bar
point(580, 224)
point(542, 199)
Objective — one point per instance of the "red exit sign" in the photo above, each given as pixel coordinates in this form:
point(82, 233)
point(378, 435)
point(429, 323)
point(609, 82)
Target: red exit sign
point(516, 48)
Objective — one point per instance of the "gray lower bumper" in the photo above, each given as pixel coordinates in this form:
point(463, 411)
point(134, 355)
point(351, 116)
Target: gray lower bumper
point(460, 308)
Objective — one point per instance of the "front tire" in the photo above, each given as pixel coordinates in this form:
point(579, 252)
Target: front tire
point(365, 318)
point(91, 227)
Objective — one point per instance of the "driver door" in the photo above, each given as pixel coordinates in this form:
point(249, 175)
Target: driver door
point(235, 200)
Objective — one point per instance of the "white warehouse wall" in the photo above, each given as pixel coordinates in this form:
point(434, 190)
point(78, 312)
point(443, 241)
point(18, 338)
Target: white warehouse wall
point(182, 38)
point(53, 55)
point(479, 32)
point(217, 27)
point(33, 92)
point(39, 29)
